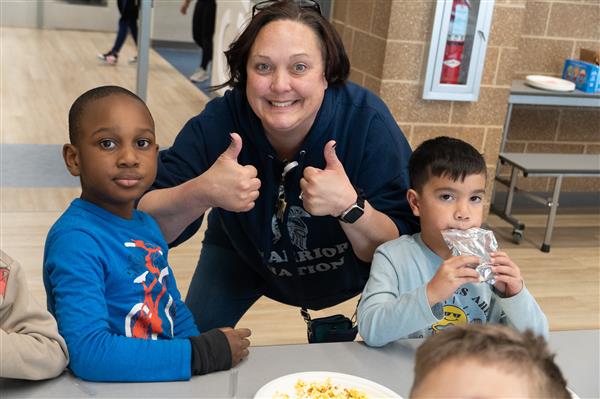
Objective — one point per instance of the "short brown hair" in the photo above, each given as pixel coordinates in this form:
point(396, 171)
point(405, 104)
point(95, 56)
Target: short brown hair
point(337, 65)
point(499, 345)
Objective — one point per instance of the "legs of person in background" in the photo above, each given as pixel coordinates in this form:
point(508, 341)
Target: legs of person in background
point(206, 39)
point(131, 20)
point(111, 58)
point(199, 75)
point(128, 21)
point(222, 289)
point(132, 17)
point(121, 36)
point(203, 29)
point(108, 58)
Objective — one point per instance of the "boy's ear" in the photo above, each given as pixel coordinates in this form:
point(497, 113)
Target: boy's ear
point(413, 200)
point(71, 157)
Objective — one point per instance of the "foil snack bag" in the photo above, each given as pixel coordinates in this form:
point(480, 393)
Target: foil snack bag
point(477, 242)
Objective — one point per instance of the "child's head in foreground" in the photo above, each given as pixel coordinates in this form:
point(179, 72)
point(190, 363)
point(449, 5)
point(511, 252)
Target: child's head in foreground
point(112, 148)
point(447, 178)
point(486, 361)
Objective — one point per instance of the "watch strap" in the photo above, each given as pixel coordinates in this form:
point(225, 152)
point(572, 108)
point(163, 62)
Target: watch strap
point(355, 210)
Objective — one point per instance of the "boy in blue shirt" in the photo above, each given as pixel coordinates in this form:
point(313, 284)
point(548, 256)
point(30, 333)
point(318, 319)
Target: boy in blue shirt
point(416, 287)
point(106, 274)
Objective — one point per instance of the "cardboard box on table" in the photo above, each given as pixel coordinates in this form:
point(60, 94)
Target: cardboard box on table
point(585, 72)
point(591, 56)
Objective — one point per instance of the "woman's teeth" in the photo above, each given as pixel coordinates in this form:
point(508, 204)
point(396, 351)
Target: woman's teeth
point(281, 104)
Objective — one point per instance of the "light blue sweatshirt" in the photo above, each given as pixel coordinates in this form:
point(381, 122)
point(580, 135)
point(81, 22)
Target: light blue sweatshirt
point(394, 302)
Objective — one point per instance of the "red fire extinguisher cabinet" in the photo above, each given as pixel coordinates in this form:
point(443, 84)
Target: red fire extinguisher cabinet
point(457, 49)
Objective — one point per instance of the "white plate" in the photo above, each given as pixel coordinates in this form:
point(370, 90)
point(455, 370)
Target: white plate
point(549, 83)
point(285, 384)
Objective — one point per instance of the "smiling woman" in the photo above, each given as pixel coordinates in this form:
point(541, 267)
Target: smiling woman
point(286, 83)
point(290, 124)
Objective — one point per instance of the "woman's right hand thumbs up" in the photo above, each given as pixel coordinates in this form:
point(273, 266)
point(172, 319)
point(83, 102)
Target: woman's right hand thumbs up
point(229, 185)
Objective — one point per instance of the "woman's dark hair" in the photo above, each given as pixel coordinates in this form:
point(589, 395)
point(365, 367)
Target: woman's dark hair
point(444, 156)
point(337, 65)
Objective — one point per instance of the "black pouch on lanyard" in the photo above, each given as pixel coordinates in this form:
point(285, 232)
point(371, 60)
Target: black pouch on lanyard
point(336, 328)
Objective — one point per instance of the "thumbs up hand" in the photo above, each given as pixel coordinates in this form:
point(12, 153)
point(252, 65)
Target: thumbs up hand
point(327, 191)
point(228, 184)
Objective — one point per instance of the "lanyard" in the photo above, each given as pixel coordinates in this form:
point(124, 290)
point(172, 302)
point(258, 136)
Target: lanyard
point(281, 202)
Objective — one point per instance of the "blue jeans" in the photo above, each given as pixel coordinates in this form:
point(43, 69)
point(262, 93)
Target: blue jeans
point(222, 289)
point(128, 20)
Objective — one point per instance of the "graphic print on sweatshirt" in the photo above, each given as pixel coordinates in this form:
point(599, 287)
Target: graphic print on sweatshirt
point(297, 229)
point(304, 261)
point(4, 274)
point(465, 306)
point(145, 319)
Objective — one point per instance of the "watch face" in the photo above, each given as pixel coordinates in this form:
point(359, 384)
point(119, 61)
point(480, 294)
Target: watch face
point(353, 214)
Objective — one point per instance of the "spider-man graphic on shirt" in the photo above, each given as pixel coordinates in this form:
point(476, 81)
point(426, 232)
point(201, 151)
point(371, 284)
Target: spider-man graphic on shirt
point(144, 319)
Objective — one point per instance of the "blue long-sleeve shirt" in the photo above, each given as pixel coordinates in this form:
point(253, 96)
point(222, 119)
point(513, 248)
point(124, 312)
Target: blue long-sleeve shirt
point(394, 302)
point(115, 298)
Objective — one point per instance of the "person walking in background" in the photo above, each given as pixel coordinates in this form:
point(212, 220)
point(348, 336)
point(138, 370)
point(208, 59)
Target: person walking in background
point(129, 10)
point(203, 29)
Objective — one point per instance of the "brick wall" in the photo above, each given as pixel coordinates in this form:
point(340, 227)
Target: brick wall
point(388, 41)
point(553, 31)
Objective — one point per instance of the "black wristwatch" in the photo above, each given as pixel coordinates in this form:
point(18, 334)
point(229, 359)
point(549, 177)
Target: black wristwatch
point(356, 210)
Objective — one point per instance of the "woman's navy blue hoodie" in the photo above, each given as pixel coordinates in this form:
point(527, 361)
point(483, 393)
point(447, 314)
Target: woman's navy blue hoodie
point(305, 260)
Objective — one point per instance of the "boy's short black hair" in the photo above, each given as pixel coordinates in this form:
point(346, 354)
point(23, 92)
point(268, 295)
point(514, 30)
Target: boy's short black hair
point(79, 105)
point(444, 156)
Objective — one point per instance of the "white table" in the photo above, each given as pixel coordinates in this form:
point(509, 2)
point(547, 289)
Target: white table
point(391, 366)
point(521, 93)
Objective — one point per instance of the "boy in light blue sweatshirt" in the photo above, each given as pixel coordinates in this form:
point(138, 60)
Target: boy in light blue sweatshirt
point(416, 287)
